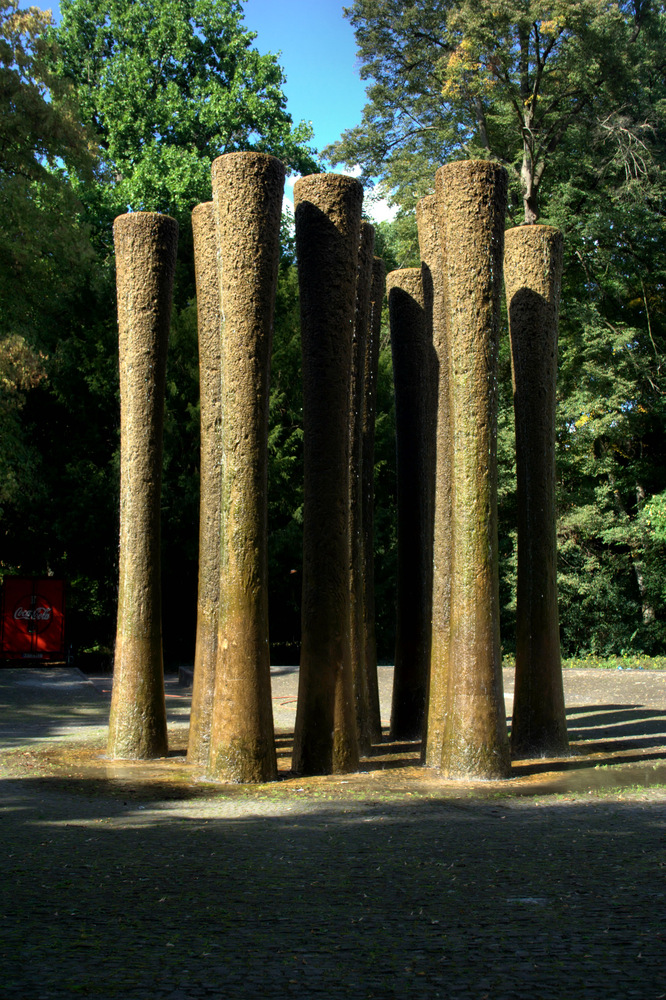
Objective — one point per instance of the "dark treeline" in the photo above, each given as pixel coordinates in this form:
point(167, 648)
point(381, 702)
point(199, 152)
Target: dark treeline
point(125, 105)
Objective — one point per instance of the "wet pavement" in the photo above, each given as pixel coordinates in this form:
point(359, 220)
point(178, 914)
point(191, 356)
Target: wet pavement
point(616, 720)
point(141, 880)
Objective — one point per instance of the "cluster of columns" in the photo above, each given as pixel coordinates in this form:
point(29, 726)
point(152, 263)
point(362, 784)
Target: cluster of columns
point(236, 245)
point(445, 320)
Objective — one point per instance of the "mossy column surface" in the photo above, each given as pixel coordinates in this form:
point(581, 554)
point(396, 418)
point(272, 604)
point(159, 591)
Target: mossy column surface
point(411, 365)
point(328, 221)
point(532, 275)
point(247, 192)
point(471, 197)
point(145, 245)
point(368, 489)
point(209, 323)
point(432, 250)
point(364, 725)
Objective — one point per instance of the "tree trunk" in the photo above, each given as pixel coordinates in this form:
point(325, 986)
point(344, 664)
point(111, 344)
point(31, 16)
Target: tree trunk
point(532, 273)
point(145, 244)
point(328, 221)
point(530, 201)
point(647, 609)
point(208, 602)
point(247, 192)
point(472, 202)
point(528, 171)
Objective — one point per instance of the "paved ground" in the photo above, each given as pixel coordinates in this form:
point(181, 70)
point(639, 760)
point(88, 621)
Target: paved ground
point(137, 881)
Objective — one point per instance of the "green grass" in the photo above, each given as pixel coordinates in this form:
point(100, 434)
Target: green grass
point(623, 661)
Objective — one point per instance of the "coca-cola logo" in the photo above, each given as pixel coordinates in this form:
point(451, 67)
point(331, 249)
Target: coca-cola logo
point(34, 613)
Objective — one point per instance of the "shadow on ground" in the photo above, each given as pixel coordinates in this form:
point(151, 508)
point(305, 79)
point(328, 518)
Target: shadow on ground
point(245, 896)
point(139, 880)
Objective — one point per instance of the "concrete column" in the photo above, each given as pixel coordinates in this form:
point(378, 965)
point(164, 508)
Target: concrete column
point(145, 245)
point(532, 275)
point(367, 732)
point(247, 193)
point(432, 269)
point(208, 603)
point(328, 220)
point(472, 202)
point(368, 490)
point(412, 363)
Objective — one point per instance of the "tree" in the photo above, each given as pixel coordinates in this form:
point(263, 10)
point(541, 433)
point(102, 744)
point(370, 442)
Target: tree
point(570, 97)
point(611, 421)
point(21, 369)
point(504, 79)
point(168, 85)
point(42, 147)
point(285, 469)
point(164, 87)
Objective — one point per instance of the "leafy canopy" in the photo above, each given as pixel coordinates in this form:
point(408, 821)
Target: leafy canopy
point(164, 86)
point(168, 85)
point(506, 79)
point(42, 240)
point(570, 96)
point(42, 144)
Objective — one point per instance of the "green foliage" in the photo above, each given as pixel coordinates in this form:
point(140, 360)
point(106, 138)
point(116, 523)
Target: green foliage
point(21, 369)
point(502, 79)
point(386, 552)
point(652, 519)
point(570, 97)
point(397, 242)
point(592, 661)
point(625, 661)
point(285, 467)
point(168, 85)
point(42, 146)
point(611, 410)
point(44, 248)
point(161, 87)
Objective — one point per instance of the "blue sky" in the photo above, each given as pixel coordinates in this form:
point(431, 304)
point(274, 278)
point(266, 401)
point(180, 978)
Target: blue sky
point(318, 55)
point(319, 60)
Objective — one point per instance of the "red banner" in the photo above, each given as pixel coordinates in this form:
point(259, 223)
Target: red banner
point(33, 618)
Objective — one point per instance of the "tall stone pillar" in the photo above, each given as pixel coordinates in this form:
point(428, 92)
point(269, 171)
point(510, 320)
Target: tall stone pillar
point(411, 347)
point(247, 193)
point(328, 220)
point(368, 490)
point(532, 274)
point(145, 245)
point(472, 202)
point(432, 268)
point(208, 604)
point(367, 732)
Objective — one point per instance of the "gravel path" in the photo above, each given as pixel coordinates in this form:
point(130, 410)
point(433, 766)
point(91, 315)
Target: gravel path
point(391, 883)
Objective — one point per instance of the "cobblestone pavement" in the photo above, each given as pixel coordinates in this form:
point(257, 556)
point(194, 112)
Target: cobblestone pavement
point(378, 885)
